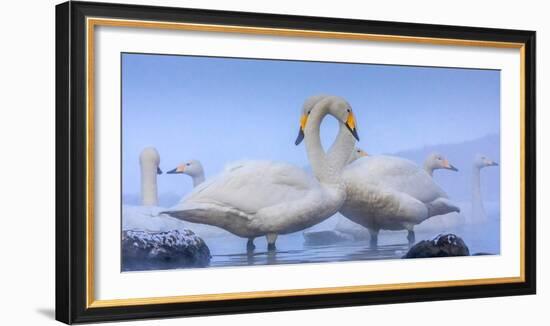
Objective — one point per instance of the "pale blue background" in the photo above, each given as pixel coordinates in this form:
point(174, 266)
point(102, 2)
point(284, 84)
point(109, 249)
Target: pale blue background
point(219, 110)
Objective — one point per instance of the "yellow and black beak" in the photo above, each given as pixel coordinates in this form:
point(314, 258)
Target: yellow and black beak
point(351, 125)
point(303, 121)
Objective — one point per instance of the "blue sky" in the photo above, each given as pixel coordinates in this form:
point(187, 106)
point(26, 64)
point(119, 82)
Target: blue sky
point(219, 110)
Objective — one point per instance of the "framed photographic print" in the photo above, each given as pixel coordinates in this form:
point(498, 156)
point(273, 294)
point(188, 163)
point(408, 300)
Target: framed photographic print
point(214, 162)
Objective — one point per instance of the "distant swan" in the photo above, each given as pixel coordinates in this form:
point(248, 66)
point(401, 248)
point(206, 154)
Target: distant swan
point(256, 198)
point(144, 217)
point(391, 193)
point(436, 161)
point(357, 154)
point(149, 161)
point(478, 210)
point(192, 168)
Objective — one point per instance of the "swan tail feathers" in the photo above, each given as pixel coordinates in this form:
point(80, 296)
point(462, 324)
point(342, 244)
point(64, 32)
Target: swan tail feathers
point(441, 206)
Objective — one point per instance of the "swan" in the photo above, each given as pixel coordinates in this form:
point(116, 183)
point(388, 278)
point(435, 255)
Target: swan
point(432, 162)
point(357, 154)
point(478, 211)
point(436, 161)
point(146, 216)
point(192, 168)
point(391, 193)
point(265, 198)
point(142, 217)
point(149, 160)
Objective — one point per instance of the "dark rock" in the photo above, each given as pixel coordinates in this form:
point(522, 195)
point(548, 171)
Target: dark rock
point(319, 238)
point(447, 245)
point(144, 250)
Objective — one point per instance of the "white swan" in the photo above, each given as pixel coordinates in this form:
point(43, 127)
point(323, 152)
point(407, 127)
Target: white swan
point(256, 198)
point(146, 216)
point(357, 154)
point(436, 161)
point(143, 217)
point(391, 193)
point(192, 168)
point(433, 162)
point(149, 160)
point(478, 210)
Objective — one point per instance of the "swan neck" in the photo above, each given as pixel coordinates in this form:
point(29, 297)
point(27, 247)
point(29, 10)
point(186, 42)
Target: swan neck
point(314, 148)
point(327, 167)
point(149, 196)
point(429, 169)
point(478, 210)
point(198, 179)
point(339, 153)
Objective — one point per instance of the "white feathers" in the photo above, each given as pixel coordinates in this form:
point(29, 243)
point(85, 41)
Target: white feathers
point(386, 192)
point(254, 198)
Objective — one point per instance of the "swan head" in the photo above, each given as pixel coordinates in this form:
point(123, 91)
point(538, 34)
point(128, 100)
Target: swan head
point(437, 161)
point(192, 168)
point(335, 106)
point(150, 158)
point(357, 154)
point(481, 161)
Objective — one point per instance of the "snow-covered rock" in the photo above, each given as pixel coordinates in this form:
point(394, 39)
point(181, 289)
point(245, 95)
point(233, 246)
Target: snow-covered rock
point(147, 250)
point(445, 245)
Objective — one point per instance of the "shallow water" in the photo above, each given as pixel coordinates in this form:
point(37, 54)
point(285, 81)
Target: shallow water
point(231, 251)
point(228, 250)
point(349, 251)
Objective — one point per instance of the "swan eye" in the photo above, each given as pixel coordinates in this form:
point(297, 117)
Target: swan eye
point(308, 112)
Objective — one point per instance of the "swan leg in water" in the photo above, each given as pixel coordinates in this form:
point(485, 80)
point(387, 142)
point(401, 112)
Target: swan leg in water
point(373, 237)
point(271, 238)
point(411, 237)
point(250, 244)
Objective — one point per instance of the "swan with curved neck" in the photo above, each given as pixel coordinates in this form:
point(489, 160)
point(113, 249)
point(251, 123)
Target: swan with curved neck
point(264, 198)
point(478, 210)
point(192, 168)
point(149, 160)
point(437, 161)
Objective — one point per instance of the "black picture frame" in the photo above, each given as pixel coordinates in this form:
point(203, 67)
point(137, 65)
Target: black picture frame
point(71, 158)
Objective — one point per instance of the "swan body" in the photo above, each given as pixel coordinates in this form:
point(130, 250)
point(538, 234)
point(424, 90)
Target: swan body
point(391, 193)
point(256, 198)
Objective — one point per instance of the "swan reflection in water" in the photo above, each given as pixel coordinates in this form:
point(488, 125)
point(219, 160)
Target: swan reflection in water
point(393, 245)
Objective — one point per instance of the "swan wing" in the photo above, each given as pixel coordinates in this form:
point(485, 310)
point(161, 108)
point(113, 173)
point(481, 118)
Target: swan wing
point(253, 185)
point(390, 172)
point(382, 207)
